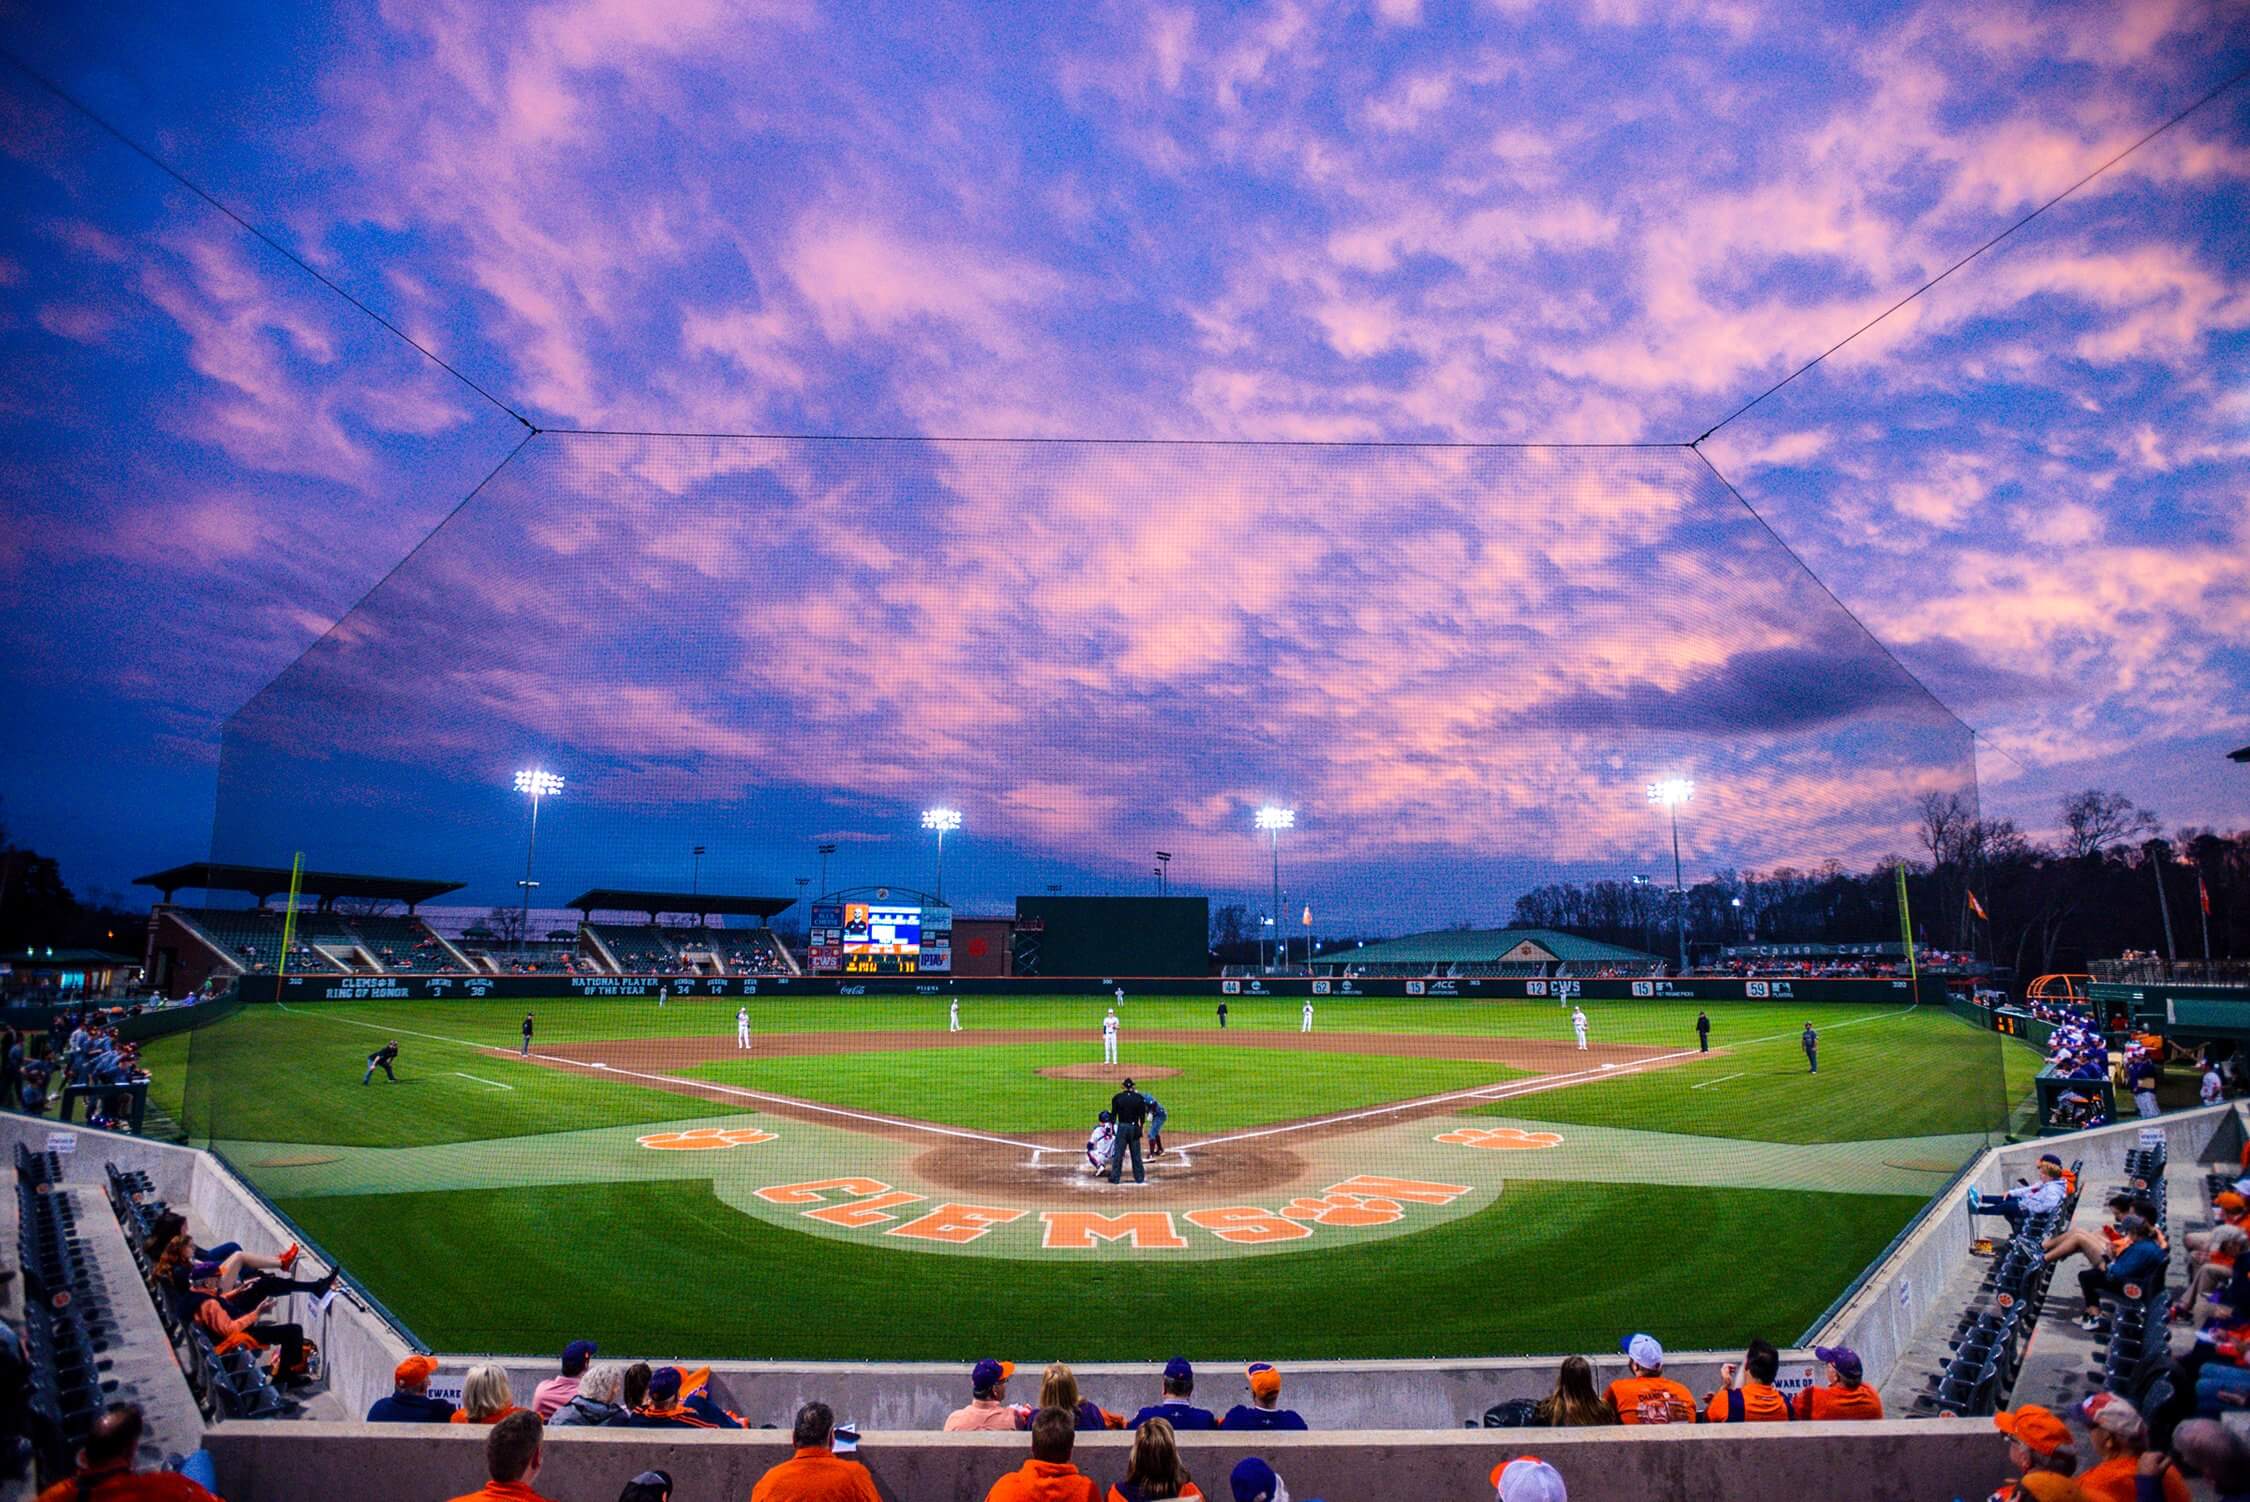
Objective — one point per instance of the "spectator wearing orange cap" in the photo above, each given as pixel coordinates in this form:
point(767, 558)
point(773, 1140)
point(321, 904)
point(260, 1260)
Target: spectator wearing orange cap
point(815, 1473)
point(2040, 1448)
point(2120, 1437)
point(1846, 1395)
point(512, 1460)
point(410, 1401)
point(988, 1399)
point(1264, 1410)
point(1647, 1396)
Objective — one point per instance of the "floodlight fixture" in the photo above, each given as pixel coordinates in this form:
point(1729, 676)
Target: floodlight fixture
point(538, 783)
point(944, 821)
point(1270, 817)
point(1668, 794)
point(1671, 792)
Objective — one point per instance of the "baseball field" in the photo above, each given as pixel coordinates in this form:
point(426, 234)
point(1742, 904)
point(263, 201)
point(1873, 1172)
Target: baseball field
point(1414, 1177)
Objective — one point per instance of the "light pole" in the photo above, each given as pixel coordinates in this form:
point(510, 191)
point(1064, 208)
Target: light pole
point(695, 884)
point(802, 883)
point(538, 784)
point(1640, 899)
point(1669, 795)
point(1273, 821)
point(1736, 903)
point(1163, 872)
point(826, 849)
point(942, 820)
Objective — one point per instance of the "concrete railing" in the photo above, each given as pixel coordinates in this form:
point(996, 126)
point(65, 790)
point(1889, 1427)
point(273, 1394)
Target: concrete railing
point(1885, 1462)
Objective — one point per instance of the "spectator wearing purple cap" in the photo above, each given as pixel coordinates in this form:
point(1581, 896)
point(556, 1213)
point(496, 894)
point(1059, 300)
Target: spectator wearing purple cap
point(1846, 1395)
point(675, 1403)
point(1179, 1385)
point(988, 1399)
point(556, 1391)
point(1254, 1481)
point(1527, 1478)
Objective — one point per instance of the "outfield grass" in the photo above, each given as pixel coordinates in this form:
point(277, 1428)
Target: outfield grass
point(998, 1088)
point(1909, 1075)
point(665, 1268)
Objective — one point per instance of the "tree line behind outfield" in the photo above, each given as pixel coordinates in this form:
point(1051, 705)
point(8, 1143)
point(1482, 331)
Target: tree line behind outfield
point(2091, 894)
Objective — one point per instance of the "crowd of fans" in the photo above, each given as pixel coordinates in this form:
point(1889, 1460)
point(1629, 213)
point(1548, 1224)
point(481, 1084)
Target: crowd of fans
point(79, 1047)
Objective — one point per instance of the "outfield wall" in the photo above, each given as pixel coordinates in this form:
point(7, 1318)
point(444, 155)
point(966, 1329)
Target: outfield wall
point(301, 988)
point(1880, 1462)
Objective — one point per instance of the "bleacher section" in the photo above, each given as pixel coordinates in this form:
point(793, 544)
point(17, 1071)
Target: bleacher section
point(325, 943)
point(647, 949)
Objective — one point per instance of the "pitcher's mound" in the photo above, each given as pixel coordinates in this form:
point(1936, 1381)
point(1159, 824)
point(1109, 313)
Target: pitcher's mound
point(1105, 1072)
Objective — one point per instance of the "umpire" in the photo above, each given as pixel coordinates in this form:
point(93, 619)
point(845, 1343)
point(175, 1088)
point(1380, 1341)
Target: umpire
point(1130, 1109)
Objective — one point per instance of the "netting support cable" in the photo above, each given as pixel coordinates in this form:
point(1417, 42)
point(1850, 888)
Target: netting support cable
point(1113, 442)
point(80, 106)
point(2213, 93)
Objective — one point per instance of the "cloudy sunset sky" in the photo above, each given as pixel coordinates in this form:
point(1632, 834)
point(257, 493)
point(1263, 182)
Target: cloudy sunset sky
point(1403, 222)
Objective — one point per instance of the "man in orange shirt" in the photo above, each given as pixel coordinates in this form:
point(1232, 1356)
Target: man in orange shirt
point(2039, 1448)
point(2120, 1437)
point(1847, 1395)
point(815, 1473)
point(1048, 1476)
point(1750, 1398)
point(1648, 1396)
point(511, 1458)
point(105, 1469)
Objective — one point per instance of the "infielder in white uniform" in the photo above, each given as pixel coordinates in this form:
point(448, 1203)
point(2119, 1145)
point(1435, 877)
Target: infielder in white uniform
point(953, 1017)
point(1308, 1019)
point(741, 1027)
point(1109, 1041)
point(1578, 1025)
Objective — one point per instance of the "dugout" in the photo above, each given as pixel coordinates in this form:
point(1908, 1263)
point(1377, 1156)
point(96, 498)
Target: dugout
point(1112, 936)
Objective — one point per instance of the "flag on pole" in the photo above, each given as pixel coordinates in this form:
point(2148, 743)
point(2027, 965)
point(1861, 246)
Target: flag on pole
point(1978, 908)
point(2203, 894)
point(1308, 915)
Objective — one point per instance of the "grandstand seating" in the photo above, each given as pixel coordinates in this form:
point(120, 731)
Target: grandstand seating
point(67, 1320)
point(325, 943)
point(1988, 1341)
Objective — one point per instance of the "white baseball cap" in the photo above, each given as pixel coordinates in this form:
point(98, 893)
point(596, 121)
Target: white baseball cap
point(1643, 1350)
point(1529, 1479)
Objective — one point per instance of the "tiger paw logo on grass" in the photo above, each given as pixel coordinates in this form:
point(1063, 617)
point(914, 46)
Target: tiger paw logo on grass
point(1342, 1208)
point(704, 1139)
point(1499, 1139)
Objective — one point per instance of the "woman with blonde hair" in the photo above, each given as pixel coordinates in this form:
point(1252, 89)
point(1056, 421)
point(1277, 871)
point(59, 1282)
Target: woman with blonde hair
point(486, 1397)
point(1153, 1472)
point(1058, 1388)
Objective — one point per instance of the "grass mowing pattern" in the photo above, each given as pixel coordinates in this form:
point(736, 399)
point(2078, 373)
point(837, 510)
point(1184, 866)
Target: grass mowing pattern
point(1911, 1075)
point(997, 1089)
point(666, 1269)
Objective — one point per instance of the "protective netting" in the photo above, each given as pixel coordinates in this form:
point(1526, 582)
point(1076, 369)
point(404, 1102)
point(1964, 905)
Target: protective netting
point(1461, 667)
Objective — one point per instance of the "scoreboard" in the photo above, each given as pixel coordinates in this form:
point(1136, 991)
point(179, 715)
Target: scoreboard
point(881, 935)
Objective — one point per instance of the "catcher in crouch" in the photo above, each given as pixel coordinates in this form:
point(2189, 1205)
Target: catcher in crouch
point(1101, 1144)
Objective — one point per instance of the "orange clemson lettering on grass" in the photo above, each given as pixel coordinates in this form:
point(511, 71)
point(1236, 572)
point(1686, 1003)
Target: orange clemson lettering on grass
point(704, 1139)
point(1334, 1209)
point(1499, 1139)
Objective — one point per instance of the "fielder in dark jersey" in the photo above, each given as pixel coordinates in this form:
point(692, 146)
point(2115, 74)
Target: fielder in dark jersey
point(1129, 1108)
point(381, 1059)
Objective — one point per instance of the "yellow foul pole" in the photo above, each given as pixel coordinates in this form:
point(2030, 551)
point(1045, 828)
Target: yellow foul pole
point(289, 922)
point(1906, 925)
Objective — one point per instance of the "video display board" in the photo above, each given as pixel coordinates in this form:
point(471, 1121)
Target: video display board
point(881, 935)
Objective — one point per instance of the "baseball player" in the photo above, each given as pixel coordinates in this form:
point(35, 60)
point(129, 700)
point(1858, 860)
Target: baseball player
point(1308, 1019)
point(660, 993)
point(953, 1016)
point(1811, 1044)
point(1156, 1117)
point(1119, 993)
point(1109, 1037)
point(381, 1059)
point(1578, 1025)
point(741, 1027)
point(1101, 1144)
point(527, 1035)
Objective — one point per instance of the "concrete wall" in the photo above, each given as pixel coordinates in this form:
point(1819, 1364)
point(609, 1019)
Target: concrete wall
point(1926, 1461)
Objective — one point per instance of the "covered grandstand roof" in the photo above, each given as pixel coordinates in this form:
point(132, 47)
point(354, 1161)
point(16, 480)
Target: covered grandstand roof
point(263, 882)
point(1484, 946)
point(615, 900)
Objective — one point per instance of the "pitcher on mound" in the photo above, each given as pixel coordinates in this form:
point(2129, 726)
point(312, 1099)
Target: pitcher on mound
point(1109, 1037)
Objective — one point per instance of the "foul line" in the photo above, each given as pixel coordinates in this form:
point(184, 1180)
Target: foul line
point(1722, 1079)
point(480, 1079)
point(686, 1084)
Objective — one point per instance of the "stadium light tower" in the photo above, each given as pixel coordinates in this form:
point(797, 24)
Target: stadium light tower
point(539, 784)
point(1669, 795)
point(826, 848)
point(1163, 872)
point(1273, 821)
point(695, 882)
point(943, 820)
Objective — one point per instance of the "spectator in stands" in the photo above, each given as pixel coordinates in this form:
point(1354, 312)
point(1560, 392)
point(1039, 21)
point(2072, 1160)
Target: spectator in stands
point(2134, 1272)
point(1264, 1410)
point(1574, 1404)
point(410, 1401)
point(1058, 1388)
point(988, 1399)
point(11, 1066)
point(815, 1473)
point(221, 1266)
point(1179, 1386)
point(2212, 1254)
point(1254, 1481)
point(105, 1468)
point(1846, 1395)
point(676, 1402)
point(1527, 1478)
point(1048, 1476)
point(633, 1390)
point(1746, 1393)
point(1153, 1470)
point(2096, 1246)
point(511, 1459)
point(2212, 1089)
point(596, 1401)
point(486, 1397)
point(1647, 1396)
point(2038, 1446)
point(2019, 1204)
point(2140, 1078)
point(286, 1340)
point(2120, 1437)
point(2217, 1453)
point(556, 1391)
point(648, 1486)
